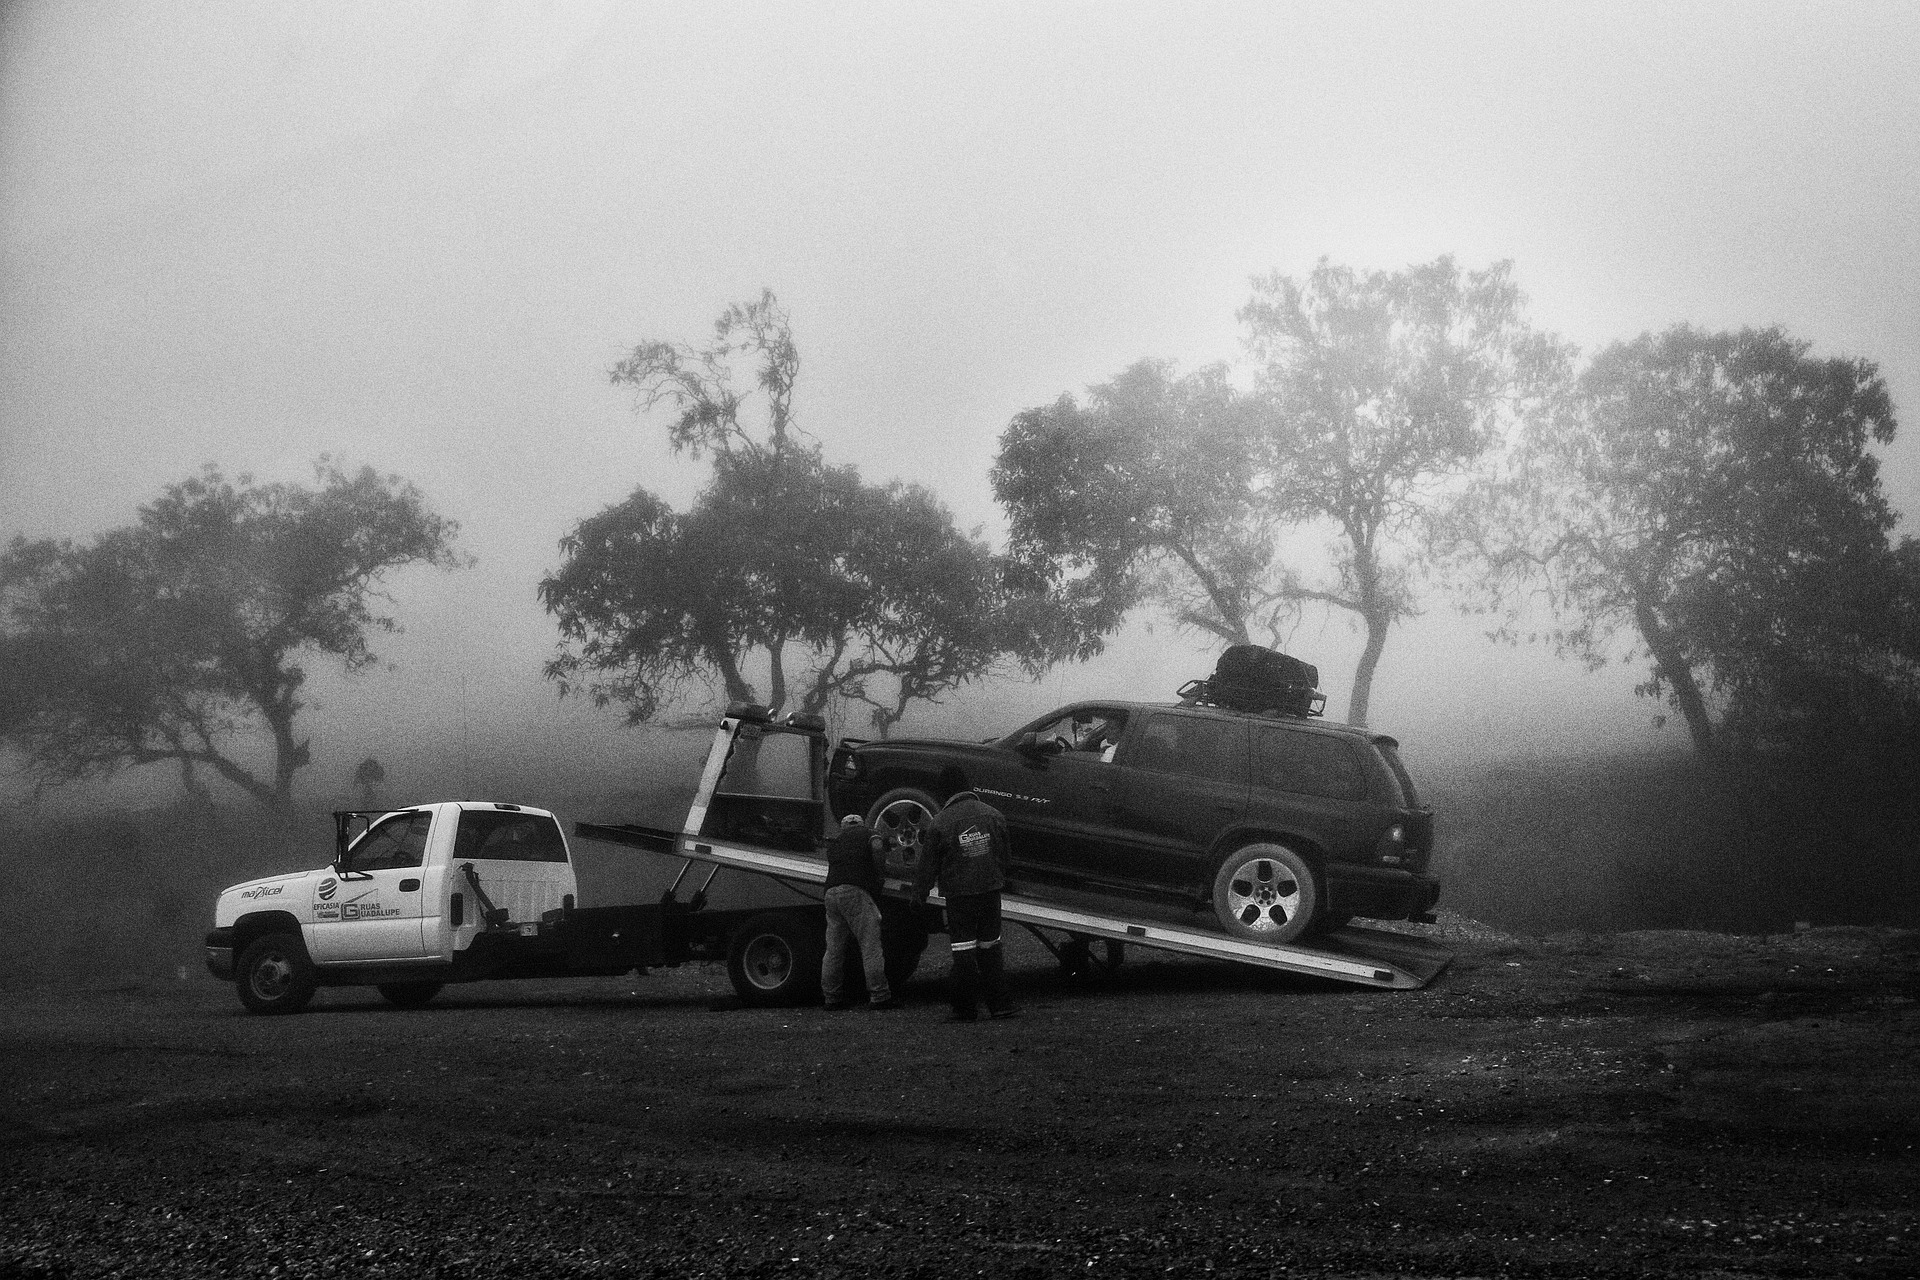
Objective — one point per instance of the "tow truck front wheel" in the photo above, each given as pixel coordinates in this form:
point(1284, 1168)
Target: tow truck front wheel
point(775, 959)
point(1266, 893)
point(275, 974)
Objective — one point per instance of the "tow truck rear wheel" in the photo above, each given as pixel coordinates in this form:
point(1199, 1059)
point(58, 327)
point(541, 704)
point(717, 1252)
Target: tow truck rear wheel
point(775, 959)
point(1266, 893)
point(409, 995)
point(275, 974)
point(902, 815)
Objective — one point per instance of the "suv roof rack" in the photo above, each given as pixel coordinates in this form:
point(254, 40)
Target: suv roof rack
point(1285, 700)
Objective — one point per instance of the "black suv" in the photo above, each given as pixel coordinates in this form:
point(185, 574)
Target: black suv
point(1276, 823)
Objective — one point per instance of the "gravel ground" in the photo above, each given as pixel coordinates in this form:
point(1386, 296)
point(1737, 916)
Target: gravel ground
point(1651, 1104)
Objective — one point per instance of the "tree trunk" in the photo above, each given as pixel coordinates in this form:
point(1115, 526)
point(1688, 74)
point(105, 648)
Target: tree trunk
point(1377, 628)
point(1672, 667)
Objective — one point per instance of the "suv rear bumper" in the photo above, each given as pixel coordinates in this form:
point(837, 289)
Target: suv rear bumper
point(1380, 893)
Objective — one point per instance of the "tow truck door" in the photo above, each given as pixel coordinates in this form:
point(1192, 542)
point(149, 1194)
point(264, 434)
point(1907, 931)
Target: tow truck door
point(369, 907)
point(520, 859)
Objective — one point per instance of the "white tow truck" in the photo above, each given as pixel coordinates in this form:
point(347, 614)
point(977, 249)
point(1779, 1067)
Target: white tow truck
point(463, 891)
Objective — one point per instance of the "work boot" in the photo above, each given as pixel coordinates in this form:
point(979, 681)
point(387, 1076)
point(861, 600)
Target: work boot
point(964, 990)
point(993, 981)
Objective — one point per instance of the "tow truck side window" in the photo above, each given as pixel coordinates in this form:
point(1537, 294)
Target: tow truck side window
point(508, 837)
point(399, 841)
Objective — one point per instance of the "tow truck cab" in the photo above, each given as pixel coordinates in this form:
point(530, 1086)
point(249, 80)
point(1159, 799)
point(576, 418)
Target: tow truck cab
point(408, 887)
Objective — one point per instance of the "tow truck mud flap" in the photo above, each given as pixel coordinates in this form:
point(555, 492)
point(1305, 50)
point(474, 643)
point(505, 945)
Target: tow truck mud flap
point(1368, 957)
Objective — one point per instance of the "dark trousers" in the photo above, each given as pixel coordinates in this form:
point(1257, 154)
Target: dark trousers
point(979, 972)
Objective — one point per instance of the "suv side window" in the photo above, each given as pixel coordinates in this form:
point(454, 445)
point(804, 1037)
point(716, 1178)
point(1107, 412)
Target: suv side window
point(1314, 764)
point(400, 841)
point(508, 837)
point(1193, 746)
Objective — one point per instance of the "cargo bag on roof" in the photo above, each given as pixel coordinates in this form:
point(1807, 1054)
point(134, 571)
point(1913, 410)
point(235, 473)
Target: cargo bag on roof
point(1249, 677)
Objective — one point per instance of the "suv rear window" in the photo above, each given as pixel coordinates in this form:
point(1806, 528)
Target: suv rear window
point(508, 837)
point(1314, 764)
point(1389, 751)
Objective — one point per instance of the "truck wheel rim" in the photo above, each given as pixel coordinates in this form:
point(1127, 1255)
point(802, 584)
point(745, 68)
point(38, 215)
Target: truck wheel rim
point(768, 961)
point(271, 977)
point(904, 824)
point(1263, 894)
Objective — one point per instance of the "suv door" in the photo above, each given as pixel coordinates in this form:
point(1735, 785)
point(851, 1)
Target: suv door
point(1180, 781)
point(371, 907)
point(1055, 794)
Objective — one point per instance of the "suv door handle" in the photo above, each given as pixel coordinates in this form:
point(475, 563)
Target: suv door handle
point(408, 886)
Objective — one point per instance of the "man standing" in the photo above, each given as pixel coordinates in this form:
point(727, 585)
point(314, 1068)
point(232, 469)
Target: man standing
point(967, 851)
point(855, 861)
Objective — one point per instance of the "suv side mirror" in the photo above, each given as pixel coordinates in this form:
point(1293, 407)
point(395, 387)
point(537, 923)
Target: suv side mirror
point(1037, 748)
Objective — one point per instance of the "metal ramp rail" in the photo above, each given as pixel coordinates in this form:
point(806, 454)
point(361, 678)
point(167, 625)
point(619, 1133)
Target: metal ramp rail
point(1367, 957)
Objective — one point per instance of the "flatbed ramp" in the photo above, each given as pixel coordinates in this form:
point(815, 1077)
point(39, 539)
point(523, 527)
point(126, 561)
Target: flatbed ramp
point(1368, 957)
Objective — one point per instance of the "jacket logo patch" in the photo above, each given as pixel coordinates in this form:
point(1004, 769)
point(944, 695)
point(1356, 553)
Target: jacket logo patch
point(975, 843)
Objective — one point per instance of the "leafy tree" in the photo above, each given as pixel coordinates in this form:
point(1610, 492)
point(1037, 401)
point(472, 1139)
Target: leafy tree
point(836, 589)
point(165, 640)
point(367, 777)
point(1713, 493)
point(1382, 391)
point(1157, 489)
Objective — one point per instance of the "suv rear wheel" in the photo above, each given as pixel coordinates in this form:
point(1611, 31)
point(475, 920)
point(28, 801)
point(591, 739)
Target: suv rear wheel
point(1266, 893)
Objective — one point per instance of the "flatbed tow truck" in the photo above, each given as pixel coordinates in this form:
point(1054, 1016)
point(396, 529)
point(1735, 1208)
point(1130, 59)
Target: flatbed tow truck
point(465, 891)
point(717, 823)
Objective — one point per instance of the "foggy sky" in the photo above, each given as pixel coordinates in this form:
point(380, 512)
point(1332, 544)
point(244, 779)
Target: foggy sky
point(417, 235)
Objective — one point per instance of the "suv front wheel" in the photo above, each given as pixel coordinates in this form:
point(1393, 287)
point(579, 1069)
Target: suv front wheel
point(1266, 893)
point(901, 817)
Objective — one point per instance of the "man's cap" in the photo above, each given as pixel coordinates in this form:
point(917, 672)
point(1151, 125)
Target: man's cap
point(852, 820)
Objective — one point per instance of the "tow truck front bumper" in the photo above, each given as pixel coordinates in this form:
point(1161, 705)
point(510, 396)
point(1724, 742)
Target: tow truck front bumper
point(220, 954)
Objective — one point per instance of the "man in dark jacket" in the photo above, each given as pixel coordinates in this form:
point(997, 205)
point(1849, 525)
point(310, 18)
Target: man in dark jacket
point(855, 861)
point(967, 852)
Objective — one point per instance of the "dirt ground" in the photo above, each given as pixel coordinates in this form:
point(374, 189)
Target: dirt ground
point(1644, 1104)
